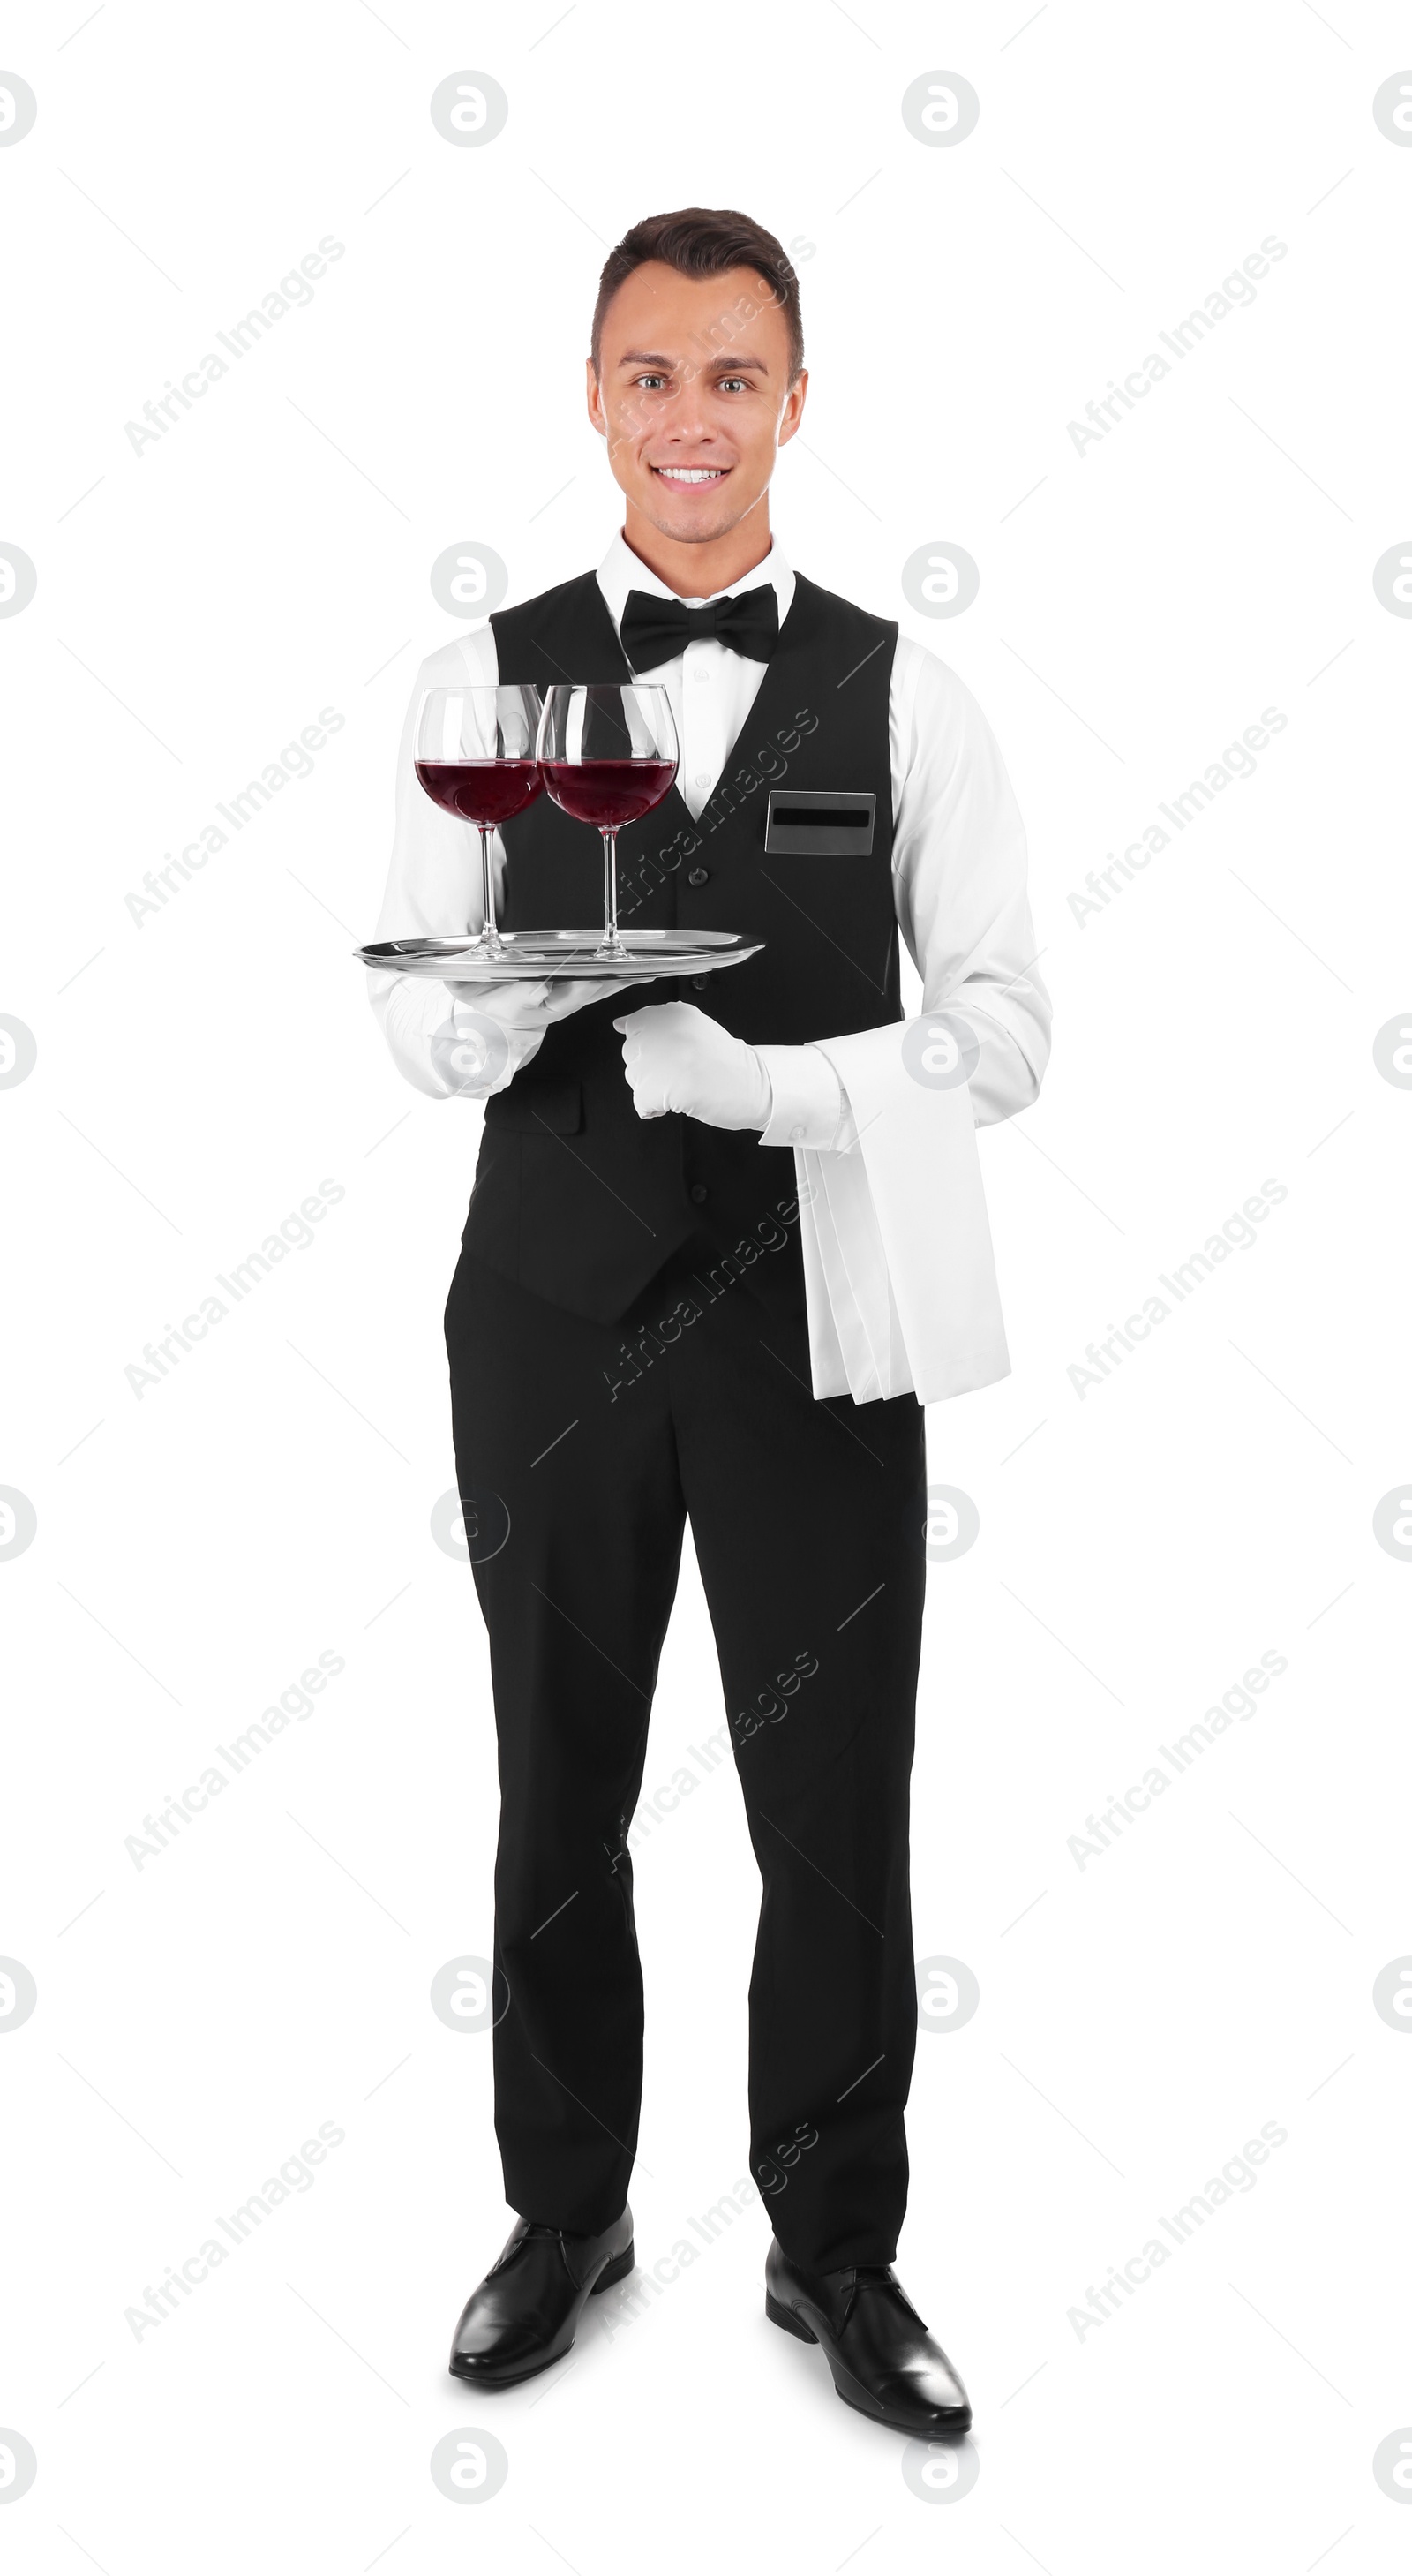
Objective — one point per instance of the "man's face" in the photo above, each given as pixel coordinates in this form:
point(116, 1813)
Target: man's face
point(692, 396)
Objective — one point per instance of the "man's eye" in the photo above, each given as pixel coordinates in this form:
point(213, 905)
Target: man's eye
point(652, 384)
point(734, 385)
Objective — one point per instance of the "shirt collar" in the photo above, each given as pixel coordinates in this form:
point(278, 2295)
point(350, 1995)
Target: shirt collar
point(621, 571)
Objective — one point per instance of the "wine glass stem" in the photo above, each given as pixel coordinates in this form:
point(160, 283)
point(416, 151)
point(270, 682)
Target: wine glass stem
point(489, 934)
point(610, 891)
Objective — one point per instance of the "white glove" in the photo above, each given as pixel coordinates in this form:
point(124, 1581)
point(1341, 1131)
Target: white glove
point(533, 1006)
point(676, 1058)
point(495, 1029)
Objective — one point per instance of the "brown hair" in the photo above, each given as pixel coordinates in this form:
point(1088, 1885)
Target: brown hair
point(699, 241)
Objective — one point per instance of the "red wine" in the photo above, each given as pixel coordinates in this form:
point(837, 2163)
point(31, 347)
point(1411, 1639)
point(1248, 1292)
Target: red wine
point(608, 792)
point(481, 791)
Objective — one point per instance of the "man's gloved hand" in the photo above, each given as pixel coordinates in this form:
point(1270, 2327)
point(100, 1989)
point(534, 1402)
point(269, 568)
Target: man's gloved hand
point(533, 1006)
point(676, 1058)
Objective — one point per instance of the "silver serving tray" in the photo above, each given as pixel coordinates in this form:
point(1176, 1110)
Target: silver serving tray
point(531, 955)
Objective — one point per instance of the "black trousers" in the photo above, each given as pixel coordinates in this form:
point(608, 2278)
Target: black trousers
point(598, 1441)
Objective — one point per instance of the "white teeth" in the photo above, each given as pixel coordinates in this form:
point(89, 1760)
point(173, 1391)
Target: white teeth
point(689, 473)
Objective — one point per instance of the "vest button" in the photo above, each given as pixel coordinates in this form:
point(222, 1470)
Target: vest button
point(698, 876)
point(699, 983)
point(699, 1194)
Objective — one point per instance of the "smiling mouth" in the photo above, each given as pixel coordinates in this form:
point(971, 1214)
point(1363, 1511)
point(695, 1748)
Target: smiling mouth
point(686, 476)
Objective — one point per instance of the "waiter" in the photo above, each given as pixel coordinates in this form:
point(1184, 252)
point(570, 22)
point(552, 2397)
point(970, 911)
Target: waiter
point(718, 1248)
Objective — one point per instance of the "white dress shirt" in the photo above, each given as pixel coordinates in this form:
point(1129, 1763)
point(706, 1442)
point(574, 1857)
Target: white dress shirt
point(898, 1269)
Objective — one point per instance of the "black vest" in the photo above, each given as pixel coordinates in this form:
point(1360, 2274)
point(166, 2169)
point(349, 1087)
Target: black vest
point(576, 1198)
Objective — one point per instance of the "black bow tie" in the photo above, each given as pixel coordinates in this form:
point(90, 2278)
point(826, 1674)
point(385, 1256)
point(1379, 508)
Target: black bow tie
point(656, 630)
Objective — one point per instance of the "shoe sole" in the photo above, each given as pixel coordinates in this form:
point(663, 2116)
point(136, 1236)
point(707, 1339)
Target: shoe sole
point(957, 2423)
point(608, 2279)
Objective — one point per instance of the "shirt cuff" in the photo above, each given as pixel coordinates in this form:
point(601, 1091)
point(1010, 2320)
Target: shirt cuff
point(807, 1102)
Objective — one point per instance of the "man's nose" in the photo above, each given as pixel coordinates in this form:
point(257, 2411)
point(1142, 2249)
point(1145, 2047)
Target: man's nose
point(688, 417)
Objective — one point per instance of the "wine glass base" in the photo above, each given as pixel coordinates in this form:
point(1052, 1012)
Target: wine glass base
point(612, 952)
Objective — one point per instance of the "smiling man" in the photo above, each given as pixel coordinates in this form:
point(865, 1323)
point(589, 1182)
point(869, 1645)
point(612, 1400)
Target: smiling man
point(695, 395)
point(719, 1252)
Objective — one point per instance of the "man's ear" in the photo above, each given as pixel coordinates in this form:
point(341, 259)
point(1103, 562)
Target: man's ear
point(594, 398)
point(793, 410)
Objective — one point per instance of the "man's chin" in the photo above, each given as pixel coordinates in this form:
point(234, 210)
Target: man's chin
point(692, 523)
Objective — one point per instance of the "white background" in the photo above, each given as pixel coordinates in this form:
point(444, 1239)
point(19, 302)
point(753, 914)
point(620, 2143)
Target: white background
point(1140, 1547)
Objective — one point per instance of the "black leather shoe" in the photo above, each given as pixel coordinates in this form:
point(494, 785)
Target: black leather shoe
point(883, 2360)
point(525, 2313)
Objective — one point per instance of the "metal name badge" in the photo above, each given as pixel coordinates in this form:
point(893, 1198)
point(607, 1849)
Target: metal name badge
point(820, 822)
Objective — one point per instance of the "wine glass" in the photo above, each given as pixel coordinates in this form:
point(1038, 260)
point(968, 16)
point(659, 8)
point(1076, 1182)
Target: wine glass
point(475, 757)
point(608, 753)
